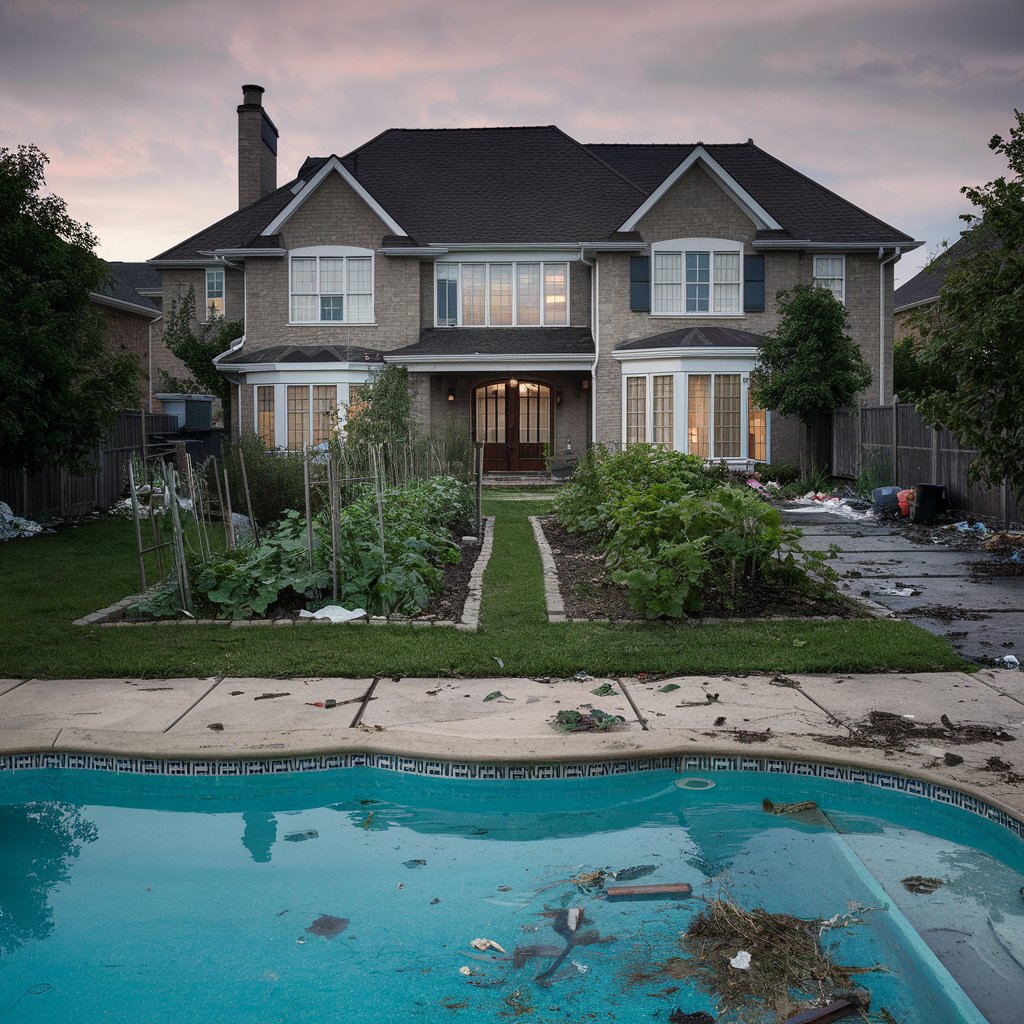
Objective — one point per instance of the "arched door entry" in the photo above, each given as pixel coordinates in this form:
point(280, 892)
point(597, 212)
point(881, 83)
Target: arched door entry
point(513, 420)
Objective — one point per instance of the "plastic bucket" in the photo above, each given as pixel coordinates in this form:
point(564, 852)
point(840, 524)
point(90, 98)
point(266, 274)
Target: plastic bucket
point(903, 500)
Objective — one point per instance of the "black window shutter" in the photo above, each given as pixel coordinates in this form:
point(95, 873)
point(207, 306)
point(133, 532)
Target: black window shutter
point(753, 284)
point(640, 284)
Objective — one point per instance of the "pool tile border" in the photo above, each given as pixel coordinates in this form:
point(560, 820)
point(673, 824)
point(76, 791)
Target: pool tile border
point(540, 771)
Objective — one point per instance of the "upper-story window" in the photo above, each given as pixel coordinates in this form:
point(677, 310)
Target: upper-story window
point(830, 272)
point(214, 293)
point(331, 285)
point(697, 277)
point(502, 294)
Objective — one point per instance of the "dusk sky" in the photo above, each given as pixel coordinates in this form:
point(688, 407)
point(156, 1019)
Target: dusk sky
point(891, 103)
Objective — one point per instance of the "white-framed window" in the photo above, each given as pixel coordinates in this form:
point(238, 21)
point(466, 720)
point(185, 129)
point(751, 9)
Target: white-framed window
point(708, 413)
point(214, 293)
point(294, 416)
point(501, 294)
point(830, 273)
point(697, 277)
point(331, 285)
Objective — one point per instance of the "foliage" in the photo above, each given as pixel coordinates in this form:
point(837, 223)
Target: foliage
point(781, 472)
point(602, 479)
point(63, 386)
point(975, 328)
point(875, 472)
point(275, 479)
point(196, 345)
point(677, 535)
point(808, 365)
point(383, 412)
point(912, 378)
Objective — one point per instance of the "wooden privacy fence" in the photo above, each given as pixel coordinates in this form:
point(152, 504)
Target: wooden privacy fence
point(53, 491)
point(897, 443)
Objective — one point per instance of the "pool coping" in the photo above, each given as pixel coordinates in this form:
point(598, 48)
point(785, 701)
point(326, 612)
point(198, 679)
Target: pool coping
point(413, 753)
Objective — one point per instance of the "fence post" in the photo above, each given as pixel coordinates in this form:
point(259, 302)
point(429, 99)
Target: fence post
point(895, 439)
point(1004, 502)
point(935, 455)
point(860, 438)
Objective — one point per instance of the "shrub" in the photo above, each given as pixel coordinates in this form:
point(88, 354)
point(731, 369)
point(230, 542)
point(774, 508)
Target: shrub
point(875, 472)
point(275, 479)
point(781, 472)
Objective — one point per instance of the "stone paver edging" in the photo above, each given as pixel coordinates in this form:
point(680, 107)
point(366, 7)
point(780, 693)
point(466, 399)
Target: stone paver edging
point(552, 593)
point(115, 614)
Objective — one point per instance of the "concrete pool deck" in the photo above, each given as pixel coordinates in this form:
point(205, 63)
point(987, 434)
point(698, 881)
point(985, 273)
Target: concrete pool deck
point(786, 717)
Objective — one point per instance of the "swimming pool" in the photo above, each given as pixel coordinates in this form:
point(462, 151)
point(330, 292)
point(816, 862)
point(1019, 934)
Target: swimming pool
point(354, 895)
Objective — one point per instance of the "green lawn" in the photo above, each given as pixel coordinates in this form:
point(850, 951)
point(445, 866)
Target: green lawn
point(49, 581)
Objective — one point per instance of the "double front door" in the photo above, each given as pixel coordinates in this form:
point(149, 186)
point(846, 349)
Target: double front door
point(513, 420)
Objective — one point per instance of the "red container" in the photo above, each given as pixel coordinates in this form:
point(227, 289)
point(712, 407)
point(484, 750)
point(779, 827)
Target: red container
point(903, 500)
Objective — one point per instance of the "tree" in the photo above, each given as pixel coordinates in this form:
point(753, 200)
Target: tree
point(976, 328)
point(383, 412)
point(61, 386)
point(196, 345)
point(809, 365)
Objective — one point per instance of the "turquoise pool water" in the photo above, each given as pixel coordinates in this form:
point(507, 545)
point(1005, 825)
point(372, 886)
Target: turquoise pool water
point(154, 899)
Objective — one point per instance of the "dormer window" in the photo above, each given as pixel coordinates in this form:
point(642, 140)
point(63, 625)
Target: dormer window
point(331, 285)
point(697, 277)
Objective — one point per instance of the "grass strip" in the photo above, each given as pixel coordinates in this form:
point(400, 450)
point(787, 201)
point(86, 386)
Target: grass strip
point(50, 581)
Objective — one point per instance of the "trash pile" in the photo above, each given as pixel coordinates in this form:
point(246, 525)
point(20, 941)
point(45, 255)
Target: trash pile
point(13, 527)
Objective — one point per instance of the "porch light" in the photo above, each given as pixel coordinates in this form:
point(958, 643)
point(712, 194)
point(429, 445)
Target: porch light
point(451, 392)
point(558, 396)
point(585, 384)
point(513, 383)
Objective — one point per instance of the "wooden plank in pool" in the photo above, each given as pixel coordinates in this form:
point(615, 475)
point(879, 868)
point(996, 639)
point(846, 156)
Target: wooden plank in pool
point(645, 892)
point(821, 1014)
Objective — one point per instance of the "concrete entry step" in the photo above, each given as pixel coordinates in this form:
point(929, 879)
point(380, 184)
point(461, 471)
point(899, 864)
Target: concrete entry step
point(521, 480)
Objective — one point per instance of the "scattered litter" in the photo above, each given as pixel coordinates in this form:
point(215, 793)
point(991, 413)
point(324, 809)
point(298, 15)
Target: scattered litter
point(898, 591)
point(631, 874)
point(368, 820)
point(741, 961)
point(501, 664)
point(966, 527)
point(802, 807)
point(271, 696)
point(887, 731)
point(328, 926)
point(997, 764)
point(216, 726)
point(573, 917)
point(301, 837)
point(335, 613)
point(12, 527)
point(818, 502)
point(921, 884)
point(604, 690)
point(496, 695)
point(711, 698)
point(576, 721)
point(236, 693)
point(582, 968)
point(522, 954)
point(1007, 661)
point(668, 688)
point(504, 888)
point(720, 720)
point(414, 863)
point(583, 677)
point(484, 944)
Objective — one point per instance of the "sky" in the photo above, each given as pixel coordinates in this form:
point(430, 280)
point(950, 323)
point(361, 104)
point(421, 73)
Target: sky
point(890, 103)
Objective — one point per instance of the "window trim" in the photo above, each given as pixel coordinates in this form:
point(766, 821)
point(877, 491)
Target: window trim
point(344, 252)
point(343, 397)
point(814, 271)
point(711, 247)
point(514, 264)
point(223, 295)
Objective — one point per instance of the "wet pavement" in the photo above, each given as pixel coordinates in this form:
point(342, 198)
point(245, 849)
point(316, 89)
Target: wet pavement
point(981, 615)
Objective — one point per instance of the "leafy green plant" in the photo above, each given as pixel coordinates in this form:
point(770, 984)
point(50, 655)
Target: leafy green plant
point(875, 472)
point(781, 472)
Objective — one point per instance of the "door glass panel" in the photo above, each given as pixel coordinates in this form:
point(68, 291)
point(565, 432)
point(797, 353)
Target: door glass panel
point(757, 431)
point(534, 413)
point(699, 408)
point(490, 413)
point(727, 415)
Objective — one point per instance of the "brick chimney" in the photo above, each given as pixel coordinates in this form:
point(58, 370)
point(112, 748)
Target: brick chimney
point(257, 148)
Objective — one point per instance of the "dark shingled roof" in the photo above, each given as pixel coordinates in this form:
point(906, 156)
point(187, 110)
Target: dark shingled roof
point(303, 354)
point(125, 278)
point(538, 185)
point(924, 287)
point(510, 341)
point(696, 337)
point(805, 209)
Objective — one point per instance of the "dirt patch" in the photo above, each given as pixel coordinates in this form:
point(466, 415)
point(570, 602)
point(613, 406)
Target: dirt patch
point(588, 591)
point(884, 730)
point(448, 604)
point(947, 613)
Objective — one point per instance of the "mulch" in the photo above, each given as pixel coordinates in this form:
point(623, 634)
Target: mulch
point(588, 591)
point(448, 604)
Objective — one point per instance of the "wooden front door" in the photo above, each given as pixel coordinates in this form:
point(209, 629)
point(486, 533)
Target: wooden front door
point(513, 420)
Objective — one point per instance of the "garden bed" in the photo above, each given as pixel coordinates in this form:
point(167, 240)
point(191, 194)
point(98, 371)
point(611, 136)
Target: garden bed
point(588, 592)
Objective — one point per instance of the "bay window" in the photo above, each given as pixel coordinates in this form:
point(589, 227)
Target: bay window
point(332, 285)
point(495, 294)
point(636, 410)
point(298, 416)
point(697, 276)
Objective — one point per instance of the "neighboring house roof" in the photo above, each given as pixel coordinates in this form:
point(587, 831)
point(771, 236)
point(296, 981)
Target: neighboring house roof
point(301, 354)
point(805, 209)
point(473, 341)
point(120, 289)
point(532, 185)
point(925, 286)
point(696, 337)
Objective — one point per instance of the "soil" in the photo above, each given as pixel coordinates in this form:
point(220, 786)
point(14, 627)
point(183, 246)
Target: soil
point(589, 592)
point(448, 604)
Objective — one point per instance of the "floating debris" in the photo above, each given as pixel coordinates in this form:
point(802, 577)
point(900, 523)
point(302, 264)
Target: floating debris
point(484, 944)
point(679, 890)
point(803, 807)
point(677, 1016)
point(921, 884)
point(414, 863)
point(631, 874)
point(327, 926)
point(301, 837)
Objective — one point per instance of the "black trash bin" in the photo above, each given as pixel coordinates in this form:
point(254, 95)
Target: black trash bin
point(929, 501)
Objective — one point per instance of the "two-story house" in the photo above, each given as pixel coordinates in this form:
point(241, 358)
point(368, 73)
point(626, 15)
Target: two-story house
point(545, 293)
